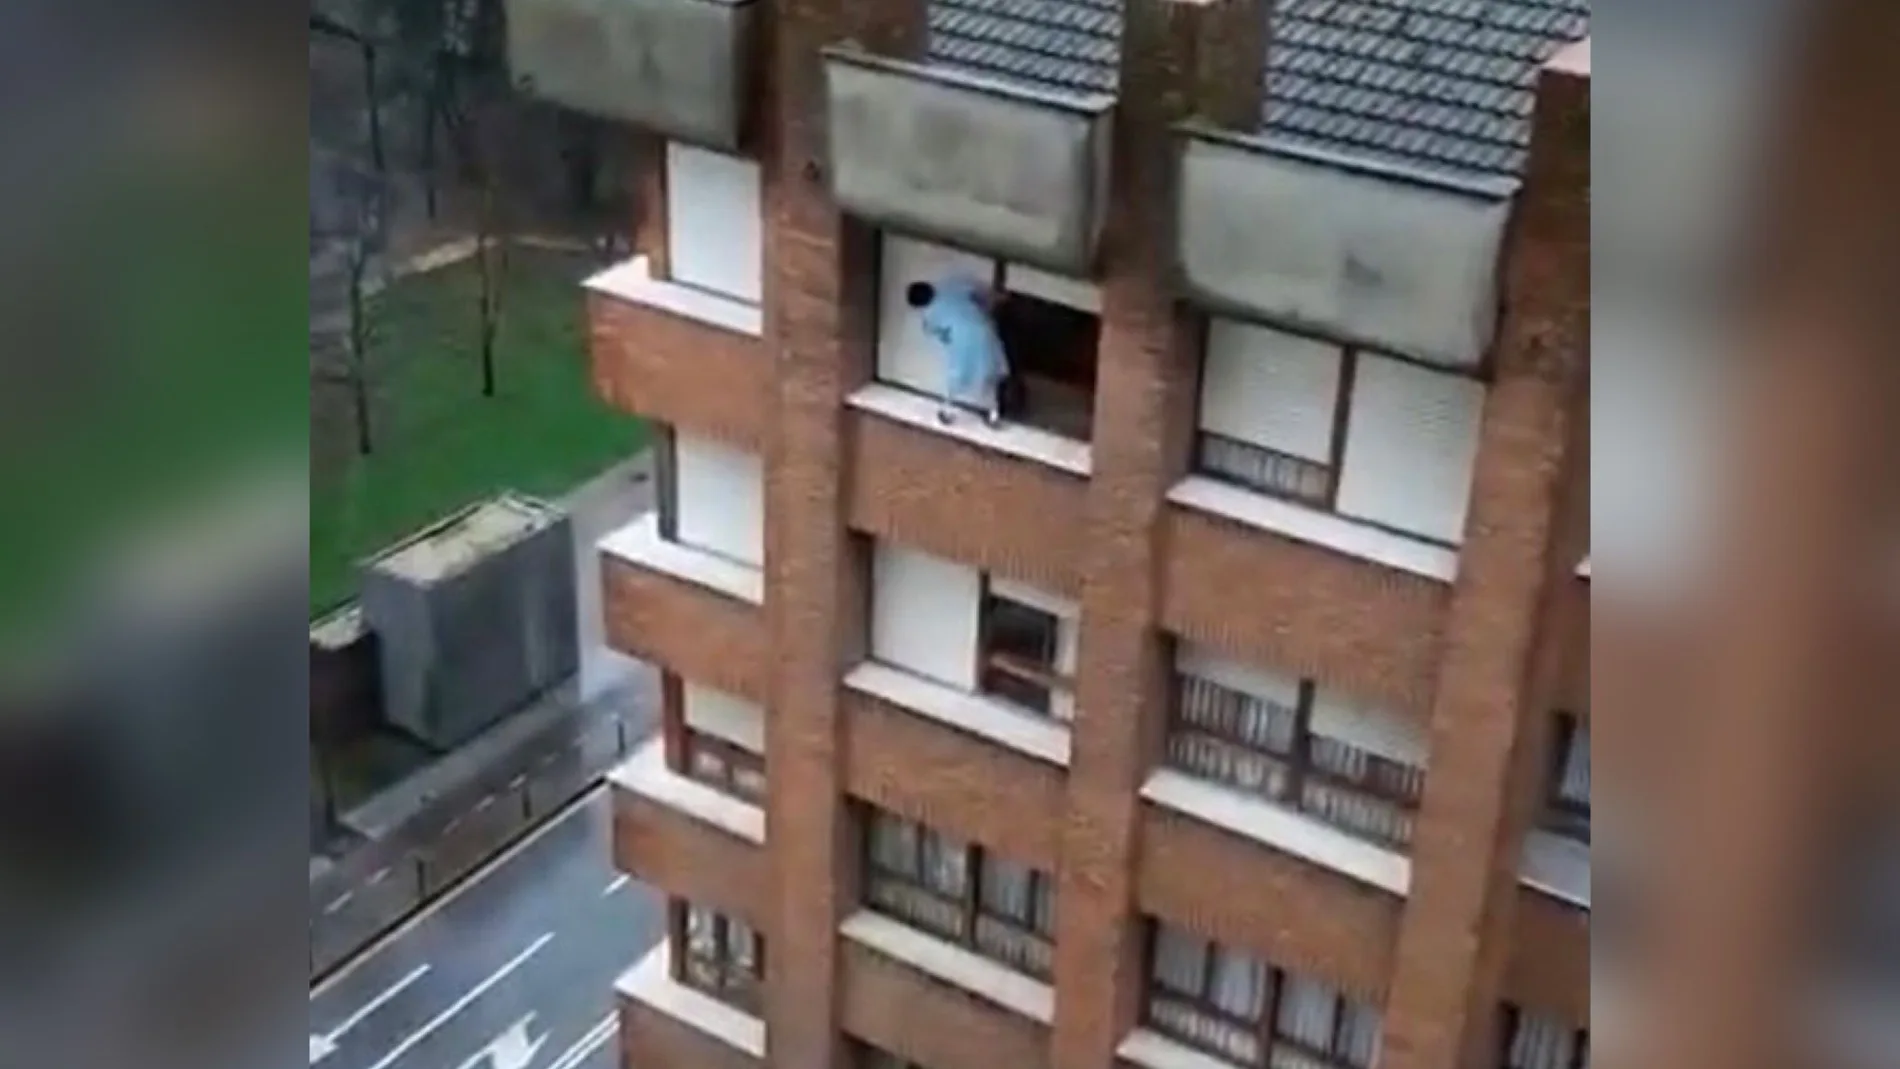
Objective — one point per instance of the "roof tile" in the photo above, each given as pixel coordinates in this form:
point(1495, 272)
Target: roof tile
point(1436, 83)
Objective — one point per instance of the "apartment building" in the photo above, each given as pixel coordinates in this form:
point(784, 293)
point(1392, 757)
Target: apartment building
point(1225, 706)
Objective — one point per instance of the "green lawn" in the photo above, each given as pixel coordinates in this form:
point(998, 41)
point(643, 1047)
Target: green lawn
point(438, 443)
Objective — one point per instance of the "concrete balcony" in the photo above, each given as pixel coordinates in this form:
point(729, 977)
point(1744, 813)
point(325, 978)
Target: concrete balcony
point(678, 355)
point(1299, 912)
point(1001, 500)
point(687, 611)
point(679, 68)
point(666, 1025)
point(1008, 170)
point(1346, 621)
point(981, 1014)
point(1550, 957)
point(1368, 254)
point(689, 839)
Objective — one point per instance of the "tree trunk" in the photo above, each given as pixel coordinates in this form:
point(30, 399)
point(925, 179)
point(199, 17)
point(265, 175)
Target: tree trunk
point(486, 252)
point(428, 150)
point(373, 95)
point(359, 356)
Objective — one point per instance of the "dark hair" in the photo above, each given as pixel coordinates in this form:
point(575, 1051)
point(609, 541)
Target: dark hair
point(919, 294)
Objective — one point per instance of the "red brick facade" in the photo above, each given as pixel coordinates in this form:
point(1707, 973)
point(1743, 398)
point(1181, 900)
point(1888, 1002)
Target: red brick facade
point(1480, 662)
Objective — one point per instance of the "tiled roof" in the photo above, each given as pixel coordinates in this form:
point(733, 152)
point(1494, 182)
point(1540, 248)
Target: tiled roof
point(1443, 84)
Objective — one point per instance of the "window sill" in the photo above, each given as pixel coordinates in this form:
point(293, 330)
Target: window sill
point(650, 984)
point(953, 965)
point(640, 543)
point(1280, 828)
point(1557, 866)
point(1023, 732)
point(1583, 569)
point(633, 281)
point(1016, 439)
point(1152, 1050)
point(1324, 529)
point(646, 774)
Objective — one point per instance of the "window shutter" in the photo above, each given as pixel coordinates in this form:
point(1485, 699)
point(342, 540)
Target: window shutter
point(1410, 446)
point(1271, 389)
point(1378, 731)
point(723, 716)
point(924, 615)
point(1202, 663)
point(714, 222)
point(721, 492)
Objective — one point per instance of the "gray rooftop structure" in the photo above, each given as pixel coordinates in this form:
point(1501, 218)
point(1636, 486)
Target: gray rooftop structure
point(1437, 85)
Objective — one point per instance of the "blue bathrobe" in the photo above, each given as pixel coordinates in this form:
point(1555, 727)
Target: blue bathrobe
point(974, 362)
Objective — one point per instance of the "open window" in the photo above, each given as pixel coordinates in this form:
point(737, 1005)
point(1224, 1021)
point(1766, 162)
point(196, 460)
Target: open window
point(1026, 650)
point(1567, 803)
point(1051, 328)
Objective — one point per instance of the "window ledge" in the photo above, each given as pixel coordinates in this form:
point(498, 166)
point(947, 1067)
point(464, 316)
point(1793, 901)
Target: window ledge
point(1044, 740)
point(1583, 569)
point(1324, 529)
point(1557, 866)
point(650, 984)
point(646, 774)
point(953, 965)
point(633, 281)
point(1280, 828)
point(640, 543)
point(1152, 1050)
point(1016, 439)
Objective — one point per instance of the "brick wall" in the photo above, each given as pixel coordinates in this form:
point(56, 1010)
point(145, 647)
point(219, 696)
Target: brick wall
point(1456, 656)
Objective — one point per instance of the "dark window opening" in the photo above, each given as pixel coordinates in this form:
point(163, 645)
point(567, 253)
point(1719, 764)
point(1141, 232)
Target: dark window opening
point(1533, 1041)
point(1567, 807)
point(1051, 351)
point(1019, 660)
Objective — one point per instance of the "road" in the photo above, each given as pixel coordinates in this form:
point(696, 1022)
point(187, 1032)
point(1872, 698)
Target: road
point(530, 944)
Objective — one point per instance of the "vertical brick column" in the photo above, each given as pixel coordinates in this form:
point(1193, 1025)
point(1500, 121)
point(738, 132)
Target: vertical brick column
point(1143, 426)
point(1486, 757)
point(821, 291)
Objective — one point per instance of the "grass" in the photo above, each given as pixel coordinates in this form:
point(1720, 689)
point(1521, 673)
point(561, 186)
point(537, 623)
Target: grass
point(438, 443)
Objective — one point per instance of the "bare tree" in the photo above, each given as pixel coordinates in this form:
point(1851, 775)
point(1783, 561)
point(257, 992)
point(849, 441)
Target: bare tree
point(491, 259)
point(348, 228)
point(497, 125)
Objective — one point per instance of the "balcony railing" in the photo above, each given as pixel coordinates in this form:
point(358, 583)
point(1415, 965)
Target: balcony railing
point(1266, 470)
point(1023, 951)
point(1234, 1040)
point(991, 165)
point(1374, 254)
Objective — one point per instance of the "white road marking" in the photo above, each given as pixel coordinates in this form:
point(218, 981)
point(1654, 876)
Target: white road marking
point(324, 1045)
point(512, 1049)
point(378, 877)
point(339, 902)
point(472, 880)
point(583, 1048)
point(460, 1004)
point(619, 882)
